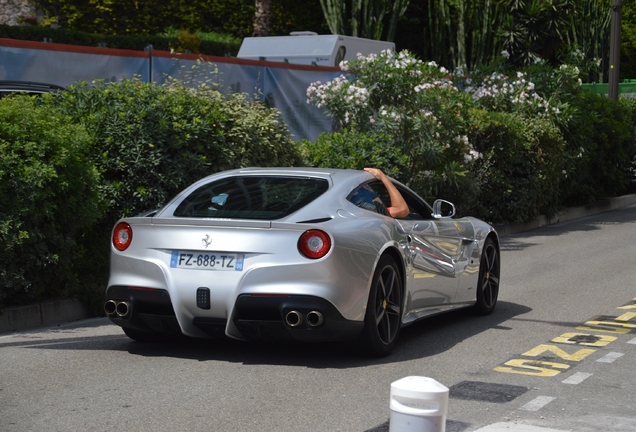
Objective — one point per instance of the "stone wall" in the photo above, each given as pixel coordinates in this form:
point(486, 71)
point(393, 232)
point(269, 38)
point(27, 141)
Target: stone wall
point(11, 10)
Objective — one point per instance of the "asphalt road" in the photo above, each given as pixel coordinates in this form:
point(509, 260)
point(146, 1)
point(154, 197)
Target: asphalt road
point(559, 352)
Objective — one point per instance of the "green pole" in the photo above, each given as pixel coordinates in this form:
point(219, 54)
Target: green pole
point(615, 49)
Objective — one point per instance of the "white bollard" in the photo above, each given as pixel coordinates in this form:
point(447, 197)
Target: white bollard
point(418, 404)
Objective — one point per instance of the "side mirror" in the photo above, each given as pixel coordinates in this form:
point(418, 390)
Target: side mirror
point(443, 209)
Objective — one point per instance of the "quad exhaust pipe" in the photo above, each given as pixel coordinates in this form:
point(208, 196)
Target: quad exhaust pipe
point(117, 308)
point(295, 318)
point(315, 319)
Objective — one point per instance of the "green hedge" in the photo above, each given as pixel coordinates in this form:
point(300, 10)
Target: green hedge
point(150, 141)
point(353, 150)
point(76, 161)
point(48, 201)
point(520, 169)
point(601, 149)
point(223, 46)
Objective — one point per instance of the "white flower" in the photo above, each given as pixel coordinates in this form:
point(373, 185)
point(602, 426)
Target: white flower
point(505, 53)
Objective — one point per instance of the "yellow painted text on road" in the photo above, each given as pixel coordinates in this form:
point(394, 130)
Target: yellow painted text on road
point(576, 356)
point(532, 367)
point(575, 338)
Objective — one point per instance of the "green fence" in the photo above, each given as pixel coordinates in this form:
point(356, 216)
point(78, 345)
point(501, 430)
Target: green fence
point(625, 88)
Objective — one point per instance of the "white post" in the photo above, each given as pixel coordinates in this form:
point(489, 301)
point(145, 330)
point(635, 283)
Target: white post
point(418, 404)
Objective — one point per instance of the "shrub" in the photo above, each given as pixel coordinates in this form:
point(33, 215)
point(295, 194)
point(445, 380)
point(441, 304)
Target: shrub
point(601, 148)
point(353, 150)
point(630, 103)
point(520, 169)
point(48, 200)
point(409, 104)
point(150, 141)
point(209, 44)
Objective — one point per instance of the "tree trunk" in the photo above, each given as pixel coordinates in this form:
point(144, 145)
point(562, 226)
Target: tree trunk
point(262, 17)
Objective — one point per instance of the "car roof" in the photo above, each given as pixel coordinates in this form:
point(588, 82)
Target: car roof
point(336, 174)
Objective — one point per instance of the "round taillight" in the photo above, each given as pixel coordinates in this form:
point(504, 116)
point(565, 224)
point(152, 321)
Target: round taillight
point(122, 236)
point(314, 244)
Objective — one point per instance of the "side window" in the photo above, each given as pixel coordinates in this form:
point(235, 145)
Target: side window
point(374, 197)
point(368, 198)
point(417, 210)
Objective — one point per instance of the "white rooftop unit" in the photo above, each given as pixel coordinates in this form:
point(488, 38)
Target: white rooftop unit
point(309, 48)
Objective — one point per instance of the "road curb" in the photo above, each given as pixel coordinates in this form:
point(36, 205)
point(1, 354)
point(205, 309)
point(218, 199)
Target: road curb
point(49, 313)
point(567, 215)
point(57, 312)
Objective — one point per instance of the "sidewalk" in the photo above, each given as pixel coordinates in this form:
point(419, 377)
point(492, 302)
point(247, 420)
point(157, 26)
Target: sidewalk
point(513, 427)
point(57, 312)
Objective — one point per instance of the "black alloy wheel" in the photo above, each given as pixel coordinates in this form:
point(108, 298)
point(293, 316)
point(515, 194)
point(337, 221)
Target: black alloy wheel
point(383, 317)
point(488, 285)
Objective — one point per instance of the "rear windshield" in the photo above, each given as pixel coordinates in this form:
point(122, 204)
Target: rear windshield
point(250, 197)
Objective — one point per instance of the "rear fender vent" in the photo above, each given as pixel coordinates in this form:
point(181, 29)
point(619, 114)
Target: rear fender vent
point(320, 220)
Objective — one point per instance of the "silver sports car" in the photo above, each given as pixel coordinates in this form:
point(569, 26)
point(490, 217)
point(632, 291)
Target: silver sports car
point(305, 254)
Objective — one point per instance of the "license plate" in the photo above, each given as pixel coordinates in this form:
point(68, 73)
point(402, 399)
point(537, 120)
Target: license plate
point(207, 261)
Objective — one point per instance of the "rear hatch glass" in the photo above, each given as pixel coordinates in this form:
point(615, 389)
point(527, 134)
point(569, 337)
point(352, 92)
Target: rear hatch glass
point(251, 197)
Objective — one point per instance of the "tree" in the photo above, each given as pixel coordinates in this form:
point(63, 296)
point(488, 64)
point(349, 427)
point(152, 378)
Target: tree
point(537, 29)
point(262, 17)
point(364, 18)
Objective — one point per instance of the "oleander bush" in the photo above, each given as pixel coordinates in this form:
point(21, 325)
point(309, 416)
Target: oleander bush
point(504, 145)
point(408, 105)
point(48, 201)
point(491, 147)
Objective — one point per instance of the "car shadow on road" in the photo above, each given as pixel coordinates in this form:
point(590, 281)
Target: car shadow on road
point(425, 338)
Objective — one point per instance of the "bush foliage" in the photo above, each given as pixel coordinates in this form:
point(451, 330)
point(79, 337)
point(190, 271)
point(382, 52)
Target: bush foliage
point(78, 160)
point(600, 151)
point(150, 141)
point(208, 43)
point(505, 145)
point(48, 200)
point(352, 150)
point(518, 175)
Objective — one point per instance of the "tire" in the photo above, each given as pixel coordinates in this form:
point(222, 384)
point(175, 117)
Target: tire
point(383, 318)
point(142, 336)
point(488, 285)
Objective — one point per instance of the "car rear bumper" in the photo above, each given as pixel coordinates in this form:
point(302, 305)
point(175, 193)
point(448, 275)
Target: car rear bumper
point(255, 316)
point(292, 317)
point(147, 310)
